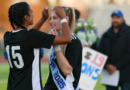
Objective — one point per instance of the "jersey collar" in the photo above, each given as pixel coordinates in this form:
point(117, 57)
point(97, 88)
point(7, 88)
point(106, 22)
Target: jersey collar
point(14, 31)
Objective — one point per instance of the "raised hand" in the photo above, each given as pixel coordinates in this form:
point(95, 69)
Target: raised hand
point(45, 14)
point(53, 32)
point(60, 12)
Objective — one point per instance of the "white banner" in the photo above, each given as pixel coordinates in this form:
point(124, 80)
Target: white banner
point(92, 65)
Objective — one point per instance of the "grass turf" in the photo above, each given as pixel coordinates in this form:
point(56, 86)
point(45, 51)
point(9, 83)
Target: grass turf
point(1, 51)
point(4, 72)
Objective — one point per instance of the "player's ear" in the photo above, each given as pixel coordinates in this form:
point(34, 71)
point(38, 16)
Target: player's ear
point(25, 18)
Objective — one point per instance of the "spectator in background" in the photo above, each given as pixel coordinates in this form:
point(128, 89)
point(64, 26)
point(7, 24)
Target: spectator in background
point(115, 43)
point(77, 15)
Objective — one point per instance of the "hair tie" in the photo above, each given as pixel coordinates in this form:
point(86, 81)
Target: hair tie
point(68, 7)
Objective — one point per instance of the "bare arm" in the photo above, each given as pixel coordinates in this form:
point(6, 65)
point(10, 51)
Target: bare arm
point(38, 25)
point(45, 15)
point(65, 37)
point(64, 65)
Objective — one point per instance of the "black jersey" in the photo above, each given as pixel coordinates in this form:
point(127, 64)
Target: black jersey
point(73, 54)
point(22, 48)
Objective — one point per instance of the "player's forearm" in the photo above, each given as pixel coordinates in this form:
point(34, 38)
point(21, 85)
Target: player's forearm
point(66, 32)
point(63, 63)
point(65, 37)
point(39, 24)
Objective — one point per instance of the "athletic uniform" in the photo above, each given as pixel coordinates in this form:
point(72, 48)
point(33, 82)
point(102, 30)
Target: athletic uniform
point(23, 52)
point(73, 54)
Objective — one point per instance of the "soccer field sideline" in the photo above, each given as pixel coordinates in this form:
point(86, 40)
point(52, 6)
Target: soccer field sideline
point(4, 71)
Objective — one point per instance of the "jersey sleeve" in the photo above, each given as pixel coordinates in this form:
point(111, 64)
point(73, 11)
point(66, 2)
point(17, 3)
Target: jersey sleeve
point(38, 39)
point(73, 52)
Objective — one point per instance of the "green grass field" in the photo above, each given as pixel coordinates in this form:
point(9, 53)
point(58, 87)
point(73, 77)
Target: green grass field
point(4, 71)
point(1, 51)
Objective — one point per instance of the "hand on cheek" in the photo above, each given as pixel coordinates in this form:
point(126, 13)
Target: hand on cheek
point(53, 32)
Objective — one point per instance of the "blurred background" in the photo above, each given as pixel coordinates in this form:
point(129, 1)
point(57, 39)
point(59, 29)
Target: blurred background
point(98, 10)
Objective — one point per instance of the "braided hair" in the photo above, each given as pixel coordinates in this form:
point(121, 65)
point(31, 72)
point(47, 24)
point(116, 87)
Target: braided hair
point(16, 14)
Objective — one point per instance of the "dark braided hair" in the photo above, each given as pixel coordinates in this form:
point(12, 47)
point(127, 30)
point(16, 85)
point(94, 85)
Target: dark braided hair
point(17, 12)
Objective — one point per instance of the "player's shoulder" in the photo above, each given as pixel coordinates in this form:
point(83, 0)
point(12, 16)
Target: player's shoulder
point(35, 32)
point(75, 44)
point(31, 31)
point(73, 37)
point(7, 34)
point(75, 40)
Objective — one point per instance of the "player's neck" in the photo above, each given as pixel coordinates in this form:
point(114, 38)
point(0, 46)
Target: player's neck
point(60, 31)
point(17, 28)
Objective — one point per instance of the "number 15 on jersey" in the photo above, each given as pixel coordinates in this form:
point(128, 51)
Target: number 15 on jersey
point(14, 56)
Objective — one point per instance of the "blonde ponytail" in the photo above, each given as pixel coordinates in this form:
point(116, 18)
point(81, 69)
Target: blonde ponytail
point(71, 14)
point(72, 21)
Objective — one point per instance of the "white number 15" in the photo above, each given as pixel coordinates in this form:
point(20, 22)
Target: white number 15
point(14, 55)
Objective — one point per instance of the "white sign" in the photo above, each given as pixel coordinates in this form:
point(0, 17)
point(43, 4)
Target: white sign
point(92, 65)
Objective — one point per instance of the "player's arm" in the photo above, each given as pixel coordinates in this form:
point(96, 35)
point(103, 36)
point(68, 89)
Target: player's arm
point(40, 39)
point(68, 61)
point(45, 15)
point(65, 37)
point(63, 63)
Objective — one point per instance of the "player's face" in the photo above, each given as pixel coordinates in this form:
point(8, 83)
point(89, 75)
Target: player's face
point(55, 21)
point(29, 18)
point(117, 21)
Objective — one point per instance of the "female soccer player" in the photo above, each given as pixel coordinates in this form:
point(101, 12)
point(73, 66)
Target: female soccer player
point(65, 60)
point(22, 46)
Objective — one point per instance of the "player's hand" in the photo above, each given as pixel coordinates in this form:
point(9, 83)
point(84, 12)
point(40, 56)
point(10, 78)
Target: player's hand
point(45, 14)
point(60, 12)
point(53, 32)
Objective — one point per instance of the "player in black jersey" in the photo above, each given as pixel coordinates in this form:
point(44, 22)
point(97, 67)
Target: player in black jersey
point(65, 60)
point(22, 46)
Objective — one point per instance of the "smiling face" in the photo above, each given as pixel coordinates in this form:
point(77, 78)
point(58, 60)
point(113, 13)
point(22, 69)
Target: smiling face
point(55, 21)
